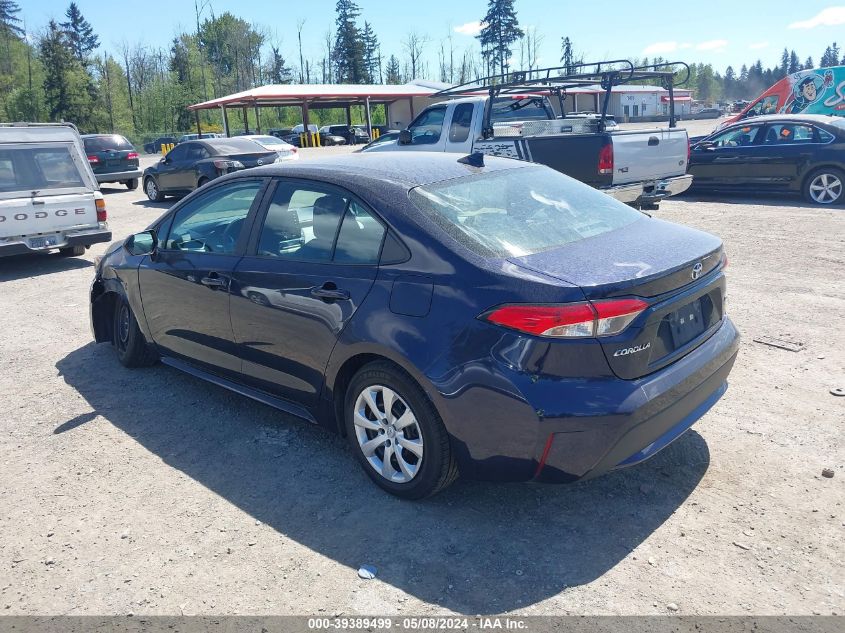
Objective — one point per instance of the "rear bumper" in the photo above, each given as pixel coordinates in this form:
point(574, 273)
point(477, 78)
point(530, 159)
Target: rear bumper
point(118, 176)
point(66, 239)
point(660, 189)
point(625, 193)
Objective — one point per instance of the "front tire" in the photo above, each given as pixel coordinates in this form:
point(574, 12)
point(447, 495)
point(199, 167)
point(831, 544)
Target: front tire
point(152, 190)
point(825, 186)
point(396, 433)
point(132, 350)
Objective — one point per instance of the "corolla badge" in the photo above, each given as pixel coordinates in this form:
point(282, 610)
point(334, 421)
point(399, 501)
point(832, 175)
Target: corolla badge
point(631, 350)
point(696, 270)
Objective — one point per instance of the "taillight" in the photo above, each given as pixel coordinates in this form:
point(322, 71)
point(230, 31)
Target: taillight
point(689, 149)
point(93, 160)
point(724, 260)
point(569, 320)
point(606, 159)
point(102, 216)
point(132, 156)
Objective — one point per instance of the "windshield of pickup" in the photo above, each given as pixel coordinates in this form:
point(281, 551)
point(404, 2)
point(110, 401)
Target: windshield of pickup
point(36, 168)
point(520, 109)
point(521, 211)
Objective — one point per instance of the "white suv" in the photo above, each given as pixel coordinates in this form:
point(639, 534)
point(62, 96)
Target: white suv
point(49, 197)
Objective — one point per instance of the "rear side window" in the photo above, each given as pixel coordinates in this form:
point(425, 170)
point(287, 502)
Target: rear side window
point(30, 169)
point(516, 212)
point(360, 237)
point(106, 143)
point(782, 133)
point(461, 122)
point(512, 109)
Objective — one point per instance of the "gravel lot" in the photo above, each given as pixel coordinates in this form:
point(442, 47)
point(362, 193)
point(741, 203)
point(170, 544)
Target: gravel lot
point(152, 492)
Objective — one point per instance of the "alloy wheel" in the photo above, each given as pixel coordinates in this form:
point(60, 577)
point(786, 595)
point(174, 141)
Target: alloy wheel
point(123, 326)
point(152, 190)
point(388, 433)
point(826, 188)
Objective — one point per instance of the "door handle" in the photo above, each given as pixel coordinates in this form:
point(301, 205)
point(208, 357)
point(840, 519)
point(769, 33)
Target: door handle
point(329, 292)
point(213, 281)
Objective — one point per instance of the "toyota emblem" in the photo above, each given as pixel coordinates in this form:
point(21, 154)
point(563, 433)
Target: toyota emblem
point(261, 162)
point(696, 270)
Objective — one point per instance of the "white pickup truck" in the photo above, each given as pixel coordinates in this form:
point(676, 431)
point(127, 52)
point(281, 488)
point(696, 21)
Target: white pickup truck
point(49, 197)
point(512, 115)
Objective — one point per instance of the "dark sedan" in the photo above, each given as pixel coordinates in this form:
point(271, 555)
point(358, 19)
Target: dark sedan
point(112, 159)
point(155, 146)
point(802, 154)
point(193, 163)
point(497, 320)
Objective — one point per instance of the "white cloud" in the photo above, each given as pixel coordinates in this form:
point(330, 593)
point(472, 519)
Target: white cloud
point(685, 45)
point(832, 16)
point(470, 28)
point(756, 46)
point(658, 48)
point(713, 45)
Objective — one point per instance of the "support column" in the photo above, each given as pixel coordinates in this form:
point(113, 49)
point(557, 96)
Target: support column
point(246, 119)
point(348, 115)
point(305, 123)
point(369, 120)
point(257, 118)
point(575, 102)
point(226, 122)
point(199, 129)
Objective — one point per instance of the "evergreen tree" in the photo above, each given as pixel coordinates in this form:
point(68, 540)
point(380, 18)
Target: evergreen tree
point(809, 64)
point(79, 33)
point(66, 84)
point(348, 51)
point(567, 57)
point(10, 23)
point(501, 30)
point(830, 56)
point(372, 55)
point(794, 63)
point(278, 71)
point(393, 72)
point(783, 69)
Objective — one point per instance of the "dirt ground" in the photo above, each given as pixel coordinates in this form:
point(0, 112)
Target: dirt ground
point(151, 492)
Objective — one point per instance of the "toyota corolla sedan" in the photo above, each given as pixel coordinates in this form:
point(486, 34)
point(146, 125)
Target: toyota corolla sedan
point(448, 315)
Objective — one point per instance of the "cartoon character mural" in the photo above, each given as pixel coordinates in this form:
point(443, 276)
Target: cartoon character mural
point(808, 88)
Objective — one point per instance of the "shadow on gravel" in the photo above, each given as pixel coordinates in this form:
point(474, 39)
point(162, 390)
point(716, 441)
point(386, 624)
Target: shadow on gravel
point(784, 200)
point(149, 204)
point(475, 548)
point(37, 264)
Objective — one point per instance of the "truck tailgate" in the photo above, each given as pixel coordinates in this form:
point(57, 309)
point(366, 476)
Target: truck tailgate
point(47, 214)
point(645, 155)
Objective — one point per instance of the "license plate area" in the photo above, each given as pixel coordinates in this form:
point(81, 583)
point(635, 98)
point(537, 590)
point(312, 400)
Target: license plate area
point(686, 323)
point(42, 242)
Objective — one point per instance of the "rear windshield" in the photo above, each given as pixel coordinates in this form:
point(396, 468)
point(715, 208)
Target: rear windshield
point(34, 169)
point(509, 109)
point(234, 146)
point(105, 143)
point(521, 211)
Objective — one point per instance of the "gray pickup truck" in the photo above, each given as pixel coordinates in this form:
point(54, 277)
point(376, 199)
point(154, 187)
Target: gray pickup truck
point(516, 119)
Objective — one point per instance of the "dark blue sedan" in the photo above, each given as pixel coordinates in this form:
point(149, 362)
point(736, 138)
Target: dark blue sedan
point(497, 320)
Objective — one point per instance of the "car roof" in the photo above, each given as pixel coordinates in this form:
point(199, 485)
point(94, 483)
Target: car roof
point(382, 172)
point(792, 118)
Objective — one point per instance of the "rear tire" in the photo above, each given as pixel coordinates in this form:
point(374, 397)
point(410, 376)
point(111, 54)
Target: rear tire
point(424, 464)
point(72, 251)
point(201, 182)
point(825, 186)
point(131, 184)
point(152, 190)
point(132, 350)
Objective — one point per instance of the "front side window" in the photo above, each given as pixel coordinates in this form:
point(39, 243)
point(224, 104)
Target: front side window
point(178, 153)
point(212, 223)
point(521, 211)
point(736, 137)
point(428, 126)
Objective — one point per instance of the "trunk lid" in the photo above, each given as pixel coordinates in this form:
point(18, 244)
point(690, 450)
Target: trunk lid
point(113, 160)
point(255, 159)
point(674, 268)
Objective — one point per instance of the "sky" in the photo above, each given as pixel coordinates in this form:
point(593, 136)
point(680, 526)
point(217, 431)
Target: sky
point(721, 32)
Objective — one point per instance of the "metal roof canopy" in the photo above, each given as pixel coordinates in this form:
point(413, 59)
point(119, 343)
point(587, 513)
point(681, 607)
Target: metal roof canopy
point(312, 96)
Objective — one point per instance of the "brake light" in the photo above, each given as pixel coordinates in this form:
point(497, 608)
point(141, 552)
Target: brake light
point(132, 156)
point(93, 160)
point(689, 149)
point(724, 260)
point(102, 216)
point(569, 320)
point(606, 159)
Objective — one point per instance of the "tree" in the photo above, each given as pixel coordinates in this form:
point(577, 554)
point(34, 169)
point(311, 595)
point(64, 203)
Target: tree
point(372, 55)
point(501, 30)
point(567, 56)
point(393, 72)
point(10, 23)
point(414, 44)
point(783, 69)
point(80, 35)
point(830, 56)
point(66, 84)
point(277, 71)
point(809, 64)
point(348, 52)
point(794, 63)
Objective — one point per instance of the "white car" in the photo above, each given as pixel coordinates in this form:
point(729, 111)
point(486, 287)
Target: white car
point(49, 197)
point(286, 151)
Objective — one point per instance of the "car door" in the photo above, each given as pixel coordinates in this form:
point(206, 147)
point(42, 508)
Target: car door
point(729, 159)
point(789, 147)
point(170, 168)
point(185, 283)
point(187, 178)
point(459, 138)
point(311, 261)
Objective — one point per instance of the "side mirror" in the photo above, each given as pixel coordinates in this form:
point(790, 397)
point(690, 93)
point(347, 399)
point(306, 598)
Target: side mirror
point(405, 137)
point(141, 243)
